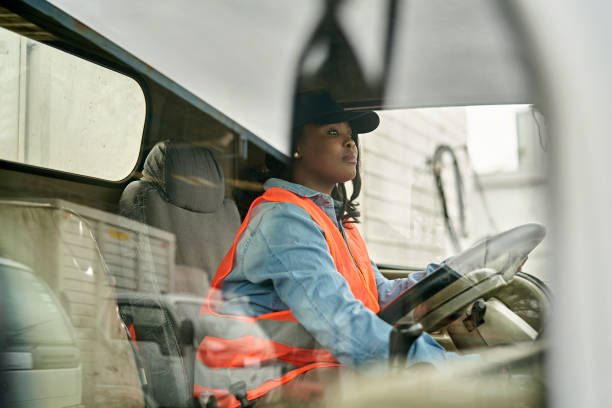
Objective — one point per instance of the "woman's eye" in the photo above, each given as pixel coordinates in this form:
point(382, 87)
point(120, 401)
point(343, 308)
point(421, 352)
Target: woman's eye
point(333, 132)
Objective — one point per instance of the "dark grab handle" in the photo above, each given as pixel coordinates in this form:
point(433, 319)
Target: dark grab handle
point(401, 339)
point(239, 390)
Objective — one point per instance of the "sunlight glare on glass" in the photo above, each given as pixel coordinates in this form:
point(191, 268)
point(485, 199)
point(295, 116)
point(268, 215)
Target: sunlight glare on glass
point(492, 137)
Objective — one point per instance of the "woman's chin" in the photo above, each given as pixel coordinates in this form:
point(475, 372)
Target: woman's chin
point(348, 177)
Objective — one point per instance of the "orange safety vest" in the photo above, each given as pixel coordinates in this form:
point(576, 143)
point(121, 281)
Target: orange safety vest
point(272, 349)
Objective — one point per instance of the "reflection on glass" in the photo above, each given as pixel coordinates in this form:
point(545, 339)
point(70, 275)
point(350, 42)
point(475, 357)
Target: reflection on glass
point(61, 309)
point(38, 341)
point(36, 317)
point(188, 310)
point(503, 253)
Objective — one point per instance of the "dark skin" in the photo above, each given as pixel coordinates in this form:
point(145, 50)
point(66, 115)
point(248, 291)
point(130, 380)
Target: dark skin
point(327, 155)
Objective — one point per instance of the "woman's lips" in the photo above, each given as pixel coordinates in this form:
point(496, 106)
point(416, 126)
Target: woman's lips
point(350, 158)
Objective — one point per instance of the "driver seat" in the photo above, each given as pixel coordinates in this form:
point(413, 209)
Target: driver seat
point(182, 190)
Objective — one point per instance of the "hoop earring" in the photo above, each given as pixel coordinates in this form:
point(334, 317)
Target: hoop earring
point(296, 155)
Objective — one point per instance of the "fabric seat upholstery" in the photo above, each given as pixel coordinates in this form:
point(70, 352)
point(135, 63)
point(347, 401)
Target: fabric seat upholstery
point(182, 191)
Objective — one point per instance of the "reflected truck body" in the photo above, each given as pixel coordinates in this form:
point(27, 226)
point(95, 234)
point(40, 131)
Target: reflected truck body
point(58, 248)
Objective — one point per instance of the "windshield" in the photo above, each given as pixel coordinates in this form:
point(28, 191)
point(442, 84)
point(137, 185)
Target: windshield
point(254, 204)
point(188, 310)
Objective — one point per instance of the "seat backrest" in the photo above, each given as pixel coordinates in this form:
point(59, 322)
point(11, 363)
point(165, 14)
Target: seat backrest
point(182, 191)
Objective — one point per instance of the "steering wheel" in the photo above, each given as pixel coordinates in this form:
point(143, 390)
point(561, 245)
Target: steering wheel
point(465, 278)
point(470, 309)
point(504, 252)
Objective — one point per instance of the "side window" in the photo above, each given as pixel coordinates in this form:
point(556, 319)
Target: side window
point(61, 112)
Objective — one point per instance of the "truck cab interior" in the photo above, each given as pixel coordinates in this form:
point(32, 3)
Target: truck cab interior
point(121, 183)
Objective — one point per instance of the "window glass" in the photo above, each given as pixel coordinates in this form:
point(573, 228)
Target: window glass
point(61, 112)
point(59, 314)
point(188, 310)
point(126, 273)
point(401, 204)
point(506, 138)
point(149, 316)
point(36, 317)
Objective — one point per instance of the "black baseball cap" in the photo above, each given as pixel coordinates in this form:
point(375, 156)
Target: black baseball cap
point(320, 108)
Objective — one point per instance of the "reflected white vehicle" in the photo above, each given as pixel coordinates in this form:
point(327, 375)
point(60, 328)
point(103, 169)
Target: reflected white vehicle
point(39, 346)
point(162, 333)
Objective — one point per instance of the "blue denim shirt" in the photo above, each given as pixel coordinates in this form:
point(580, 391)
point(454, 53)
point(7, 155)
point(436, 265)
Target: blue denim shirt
point(283, 262)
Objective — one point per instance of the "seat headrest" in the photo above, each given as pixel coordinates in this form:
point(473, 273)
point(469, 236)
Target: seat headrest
point(186, 175)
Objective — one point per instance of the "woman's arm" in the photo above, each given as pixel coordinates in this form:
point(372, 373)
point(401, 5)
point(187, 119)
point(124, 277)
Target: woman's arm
point(390, 289)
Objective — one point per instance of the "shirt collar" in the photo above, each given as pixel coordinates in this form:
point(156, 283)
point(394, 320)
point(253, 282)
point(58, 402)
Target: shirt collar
point(324, 201)
point(295, 188)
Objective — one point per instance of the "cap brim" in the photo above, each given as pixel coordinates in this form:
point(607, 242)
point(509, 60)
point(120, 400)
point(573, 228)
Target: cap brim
point(360, 121)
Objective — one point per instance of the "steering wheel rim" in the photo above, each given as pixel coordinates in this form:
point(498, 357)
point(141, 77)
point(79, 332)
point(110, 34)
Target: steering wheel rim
point(484, 268)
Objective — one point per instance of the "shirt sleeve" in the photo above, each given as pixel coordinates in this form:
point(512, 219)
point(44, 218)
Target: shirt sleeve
point(290, 251)
point(390, 289)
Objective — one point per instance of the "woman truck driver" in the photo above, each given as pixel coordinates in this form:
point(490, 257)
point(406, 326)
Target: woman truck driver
point(297, 291)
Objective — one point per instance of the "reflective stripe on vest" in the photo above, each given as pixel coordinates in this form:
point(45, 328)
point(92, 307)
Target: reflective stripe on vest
point(271, 349)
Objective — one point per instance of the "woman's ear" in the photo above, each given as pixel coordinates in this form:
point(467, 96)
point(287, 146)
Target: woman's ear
point(300, 141)
point(297, 141)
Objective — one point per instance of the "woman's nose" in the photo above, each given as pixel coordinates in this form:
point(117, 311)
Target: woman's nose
point(349, 142)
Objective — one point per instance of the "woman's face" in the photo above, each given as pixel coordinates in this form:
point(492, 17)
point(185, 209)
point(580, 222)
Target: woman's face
point(327, 155)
